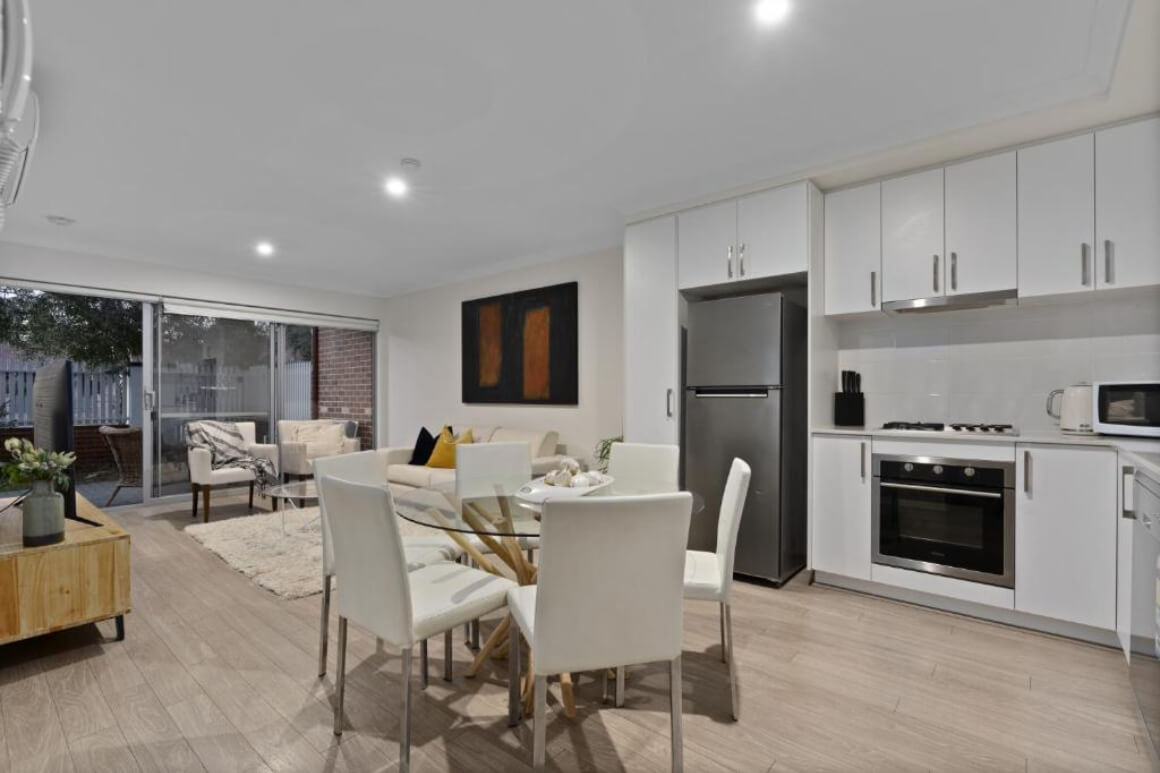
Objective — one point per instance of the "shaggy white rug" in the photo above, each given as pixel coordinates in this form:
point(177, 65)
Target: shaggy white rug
point(288, 564)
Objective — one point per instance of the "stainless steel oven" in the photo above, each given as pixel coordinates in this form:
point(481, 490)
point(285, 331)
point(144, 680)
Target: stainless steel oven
point(954, 517)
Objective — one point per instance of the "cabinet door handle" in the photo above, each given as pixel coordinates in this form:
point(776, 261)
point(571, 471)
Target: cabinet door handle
point(935, 266)
point(1128, 492)
point(862, 458)
point(873, 288)
point(669, 403)
point(954, 271)
point(1027, 473)
point(1109, 262)
point(741, 259)
point(729, 262)
point(1085, 264)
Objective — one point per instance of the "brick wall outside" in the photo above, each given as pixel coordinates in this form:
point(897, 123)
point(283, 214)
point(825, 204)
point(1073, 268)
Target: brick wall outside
point(93, 453)
point(344, 363)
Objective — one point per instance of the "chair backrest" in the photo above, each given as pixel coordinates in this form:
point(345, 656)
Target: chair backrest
point(611, 581)
point(729, 520)
point(248, 430)
point(125, 446)
point(374, 588)
point(480, 467)
point(644, 467)
point(288, 429)
point(364, 467)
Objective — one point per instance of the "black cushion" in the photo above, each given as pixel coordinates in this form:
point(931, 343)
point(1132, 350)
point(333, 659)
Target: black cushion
point(424, 445)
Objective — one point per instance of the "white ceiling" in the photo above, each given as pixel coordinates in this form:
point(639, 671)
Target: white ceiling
point(182, 132)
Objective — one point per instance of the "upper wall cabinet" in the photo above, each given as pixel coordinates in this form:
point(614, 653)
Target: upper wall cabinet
point(853, 267)
point(1057, 217)
point(1127, 203)
point(651, 332)
point(912, 236)
point(980, 225)
point(762, 235)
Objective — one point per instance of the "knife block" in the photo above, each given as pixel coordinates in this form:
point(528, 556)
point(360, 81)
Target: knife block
point(849, 409)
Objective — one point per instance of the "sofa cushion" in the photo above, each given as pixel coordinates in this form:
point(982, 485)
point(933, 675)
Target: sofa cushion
point(424, 445)
point(416, 475)
point(321, 438)
point(543, 443)
point(444, 453)
point(482, 434)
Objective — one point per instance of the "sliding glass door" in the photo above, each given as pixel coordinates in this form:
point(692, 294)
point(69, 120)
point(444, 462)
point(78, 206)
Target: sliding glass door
point(208, 368)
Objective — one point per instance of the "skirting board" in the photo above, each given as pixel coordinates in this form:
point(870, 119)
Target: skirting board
point(971, 609)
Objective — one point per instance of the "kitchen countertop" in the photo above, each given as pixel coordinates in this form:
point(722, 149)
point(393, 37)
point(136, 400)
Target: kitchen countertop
point(1144, 452)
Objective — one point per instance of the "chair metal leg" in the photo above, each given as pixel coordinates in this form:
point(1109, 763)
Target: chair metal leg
point(405, 731)
point(675, 697)
point(475, 634)
point(539, 731)
point(724, 657)
point(734, 685)
point(619, 687)
point(117, 490)
point(531, 556)
point(341, 681)
point(324, 626)
point(515, 700)
point(447, 655)
point(423, 661)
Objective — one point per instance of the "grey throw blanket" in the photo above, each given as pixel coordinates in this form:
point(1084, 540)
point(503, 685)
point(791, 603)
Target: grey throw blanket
point(228, 448)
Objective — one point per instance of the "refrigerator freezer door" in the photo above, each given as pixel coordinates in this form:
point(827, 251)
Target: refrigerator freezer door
point(717, 429)
point(735, 341)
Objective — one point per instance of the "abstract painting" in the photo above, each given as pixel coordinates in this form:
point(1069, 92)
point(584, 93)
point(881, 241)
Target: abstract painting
point(522, 347)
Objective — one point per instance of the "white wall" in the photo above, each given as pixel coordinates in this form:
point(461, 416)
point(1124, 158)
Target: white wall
point(997, 364)
point(422, 331)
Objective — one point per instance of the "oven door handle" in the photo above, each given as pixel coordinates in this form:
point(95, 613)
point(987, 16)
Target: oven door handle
point(941, 490)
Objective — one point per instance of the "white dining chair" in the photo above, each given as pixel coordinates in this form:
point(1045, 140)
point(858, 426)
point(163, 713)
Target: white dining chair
point(645, 468)
point(366, 467)
point(709, 576)
point(480, 470)
point(400, 606)
point(601, 603)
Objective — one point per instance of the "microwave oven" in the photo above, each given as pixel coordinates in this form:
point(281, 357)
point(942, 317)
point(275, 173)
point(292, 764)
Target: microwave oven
point(1126, 408)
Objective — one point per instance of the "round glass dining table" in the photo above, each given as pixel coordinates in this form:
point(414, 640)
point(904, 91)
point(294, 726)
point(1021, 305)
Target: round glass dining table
point(499, 527)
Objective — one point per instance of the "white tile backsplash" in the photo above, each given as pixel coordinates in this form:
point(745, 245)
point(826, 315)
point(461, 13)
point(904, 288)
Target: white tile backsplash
point(997, 364)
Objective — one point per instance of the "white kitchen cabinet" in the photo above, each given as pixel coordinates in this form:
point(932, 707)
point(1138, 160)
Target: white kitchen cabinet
point(912, 236)
point(840, 518)
point(1127, 203)
point(707, 239)
point(1057, 208)
point(651, 332)
point(980, 225)
point(773, 232)
point(1066, 533)
point(853, 261)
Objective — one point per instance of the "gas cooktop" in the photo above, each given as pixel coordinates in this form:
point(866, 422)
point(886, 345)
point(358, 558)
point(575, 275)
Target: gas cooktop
point(958, 427)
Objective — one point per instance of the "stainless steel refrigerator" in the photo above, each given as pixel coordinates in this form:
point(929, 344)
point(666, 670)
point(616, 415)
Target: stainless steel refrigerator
point(745, 396)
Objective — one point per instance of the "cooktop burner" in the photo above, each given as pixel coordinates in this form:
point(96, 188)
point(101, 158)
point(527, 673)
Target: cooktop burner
point(954, 426)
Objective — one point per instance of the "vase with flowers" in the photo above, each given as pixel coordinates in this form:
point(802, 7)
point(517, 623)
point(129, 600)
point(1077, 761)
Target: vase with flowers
point(44, 471)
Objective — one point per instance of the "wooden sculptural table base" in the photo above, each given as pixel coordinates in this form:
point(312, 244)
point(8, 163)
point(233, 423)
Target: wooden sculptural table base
point(507, 550)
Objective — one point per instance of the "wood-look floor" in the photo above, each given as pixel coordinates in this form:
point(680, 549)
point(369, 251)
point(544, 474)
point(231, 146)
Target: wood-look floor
point(217, 674)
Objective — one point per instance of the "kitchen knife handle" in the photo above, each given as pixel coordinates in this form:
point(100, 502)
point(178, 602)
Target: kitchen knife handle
point(729, 262)
point(873, 288)
point(1027, 473)
point(1085, 264)
point(1109, 262)
point(935, 266)
point(669, 403)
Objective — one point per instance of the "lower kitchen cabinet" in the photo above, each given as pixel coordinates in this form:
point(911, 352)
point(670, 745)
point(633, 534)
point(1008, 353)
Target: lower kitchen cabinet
point(1065, 533)
point(841, 505)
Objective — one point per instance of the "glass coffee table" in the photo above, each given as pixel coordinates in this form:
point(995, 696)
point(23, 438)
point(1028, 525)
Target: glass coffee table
point(293, 494)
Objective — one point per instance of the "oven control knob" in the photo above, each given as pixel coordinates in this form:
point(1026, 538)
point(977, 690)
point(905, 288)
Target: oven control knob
point(908, 467)
point(938, 470)
point(969, 472)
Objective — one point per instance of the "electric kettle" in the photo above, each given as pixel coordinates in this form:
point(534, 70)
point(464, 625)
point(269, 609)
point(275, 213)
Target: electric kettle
point(1075, 408)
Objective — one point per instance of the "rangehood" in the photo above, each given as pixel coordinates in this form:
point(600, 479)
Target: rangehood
point(952, 302)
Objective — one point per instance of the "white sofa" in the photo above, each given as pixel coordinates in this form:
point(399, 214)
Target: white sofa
point(301, 442)
point(400, 472)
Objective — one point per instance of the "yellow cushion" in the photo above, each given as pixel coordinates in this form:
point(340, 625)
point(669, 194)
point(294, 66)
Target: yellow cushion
point(444, 453)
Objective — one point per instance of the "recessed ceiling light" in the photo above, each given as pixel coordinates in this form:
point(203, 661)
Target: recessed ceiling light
point(396, 186)
point(264, 249)
point(59, 219)
point(771, 12)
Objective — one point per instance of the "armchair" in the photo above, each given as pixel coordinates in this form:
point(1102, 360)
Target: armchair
point(301, 442)
point(203, 477)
